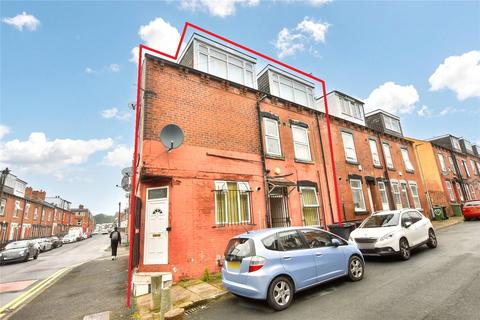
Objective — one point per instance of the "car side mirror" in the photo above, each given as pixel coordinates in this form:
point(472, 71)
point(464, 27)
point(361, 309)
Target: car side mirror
point(407, 224)
point(336, 242)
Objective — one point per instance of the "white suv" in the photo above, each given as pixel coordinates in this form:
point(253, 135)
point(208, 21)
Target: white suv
point(394, 232)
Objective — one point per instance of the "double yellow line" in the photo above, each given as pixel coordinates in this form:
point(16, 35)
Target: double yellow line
point(10, 307)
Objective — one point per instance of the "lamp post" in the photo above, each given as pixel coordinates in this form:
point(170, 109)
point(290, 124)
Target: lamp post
point(119, 210)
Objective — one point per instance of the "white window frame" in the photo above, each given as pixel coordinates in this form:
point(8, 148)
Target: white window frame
point(375, 155)
point(362, 197)
point(3, 205)
point(392, 124)
point(305, 143)
point(27, 210)
point(221, 185)
point(272, 136)
point(277, 81)
point(387, 150)
point(317, 206)
point(450, 192)
point(456, 143)
point(16, 208)
point(35, 214)
point(248, 67)
point(474, 167)
point(383, 190)
point(351, 108)
point(465, 166)
point(460, 192)
point(396, 194)
point(348, 149)
point(472, 192)
point(404, 193)
point(406, 160)
point(441, 159)
point(415, 196)
point(452, 164)
point(467, 191)
point(468, 146)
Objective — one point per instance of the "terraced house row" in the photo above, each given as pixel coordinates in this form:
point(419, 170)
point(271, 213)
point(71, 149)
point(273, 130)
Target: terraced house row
point(256, 154)
point(26, 213)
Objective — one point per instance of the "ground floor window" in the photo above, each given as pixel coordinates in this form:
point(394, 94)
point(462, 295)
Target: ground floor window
point(232, 202)
point(383, 195)
point(459, 191)
point(450, 191)
point(467, 191)
point(415, 196)
point(405, 199)
point(396, 194)
point(309, 206)
point(357, 194)
point(472, 190)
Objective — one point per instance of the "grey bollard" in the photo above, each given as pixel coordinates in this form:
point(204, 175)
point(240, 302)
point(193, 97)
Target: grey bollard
point(166, 301)
point(156, 293)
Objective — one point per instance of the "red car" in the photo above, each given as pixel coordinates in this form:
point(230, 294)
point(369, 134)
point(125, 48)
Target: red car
point(471, 210)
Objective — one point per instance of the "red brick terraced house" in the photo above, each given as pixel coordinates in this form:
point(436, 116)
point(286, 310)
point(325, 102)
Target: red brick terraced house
point(254, 155)
point(376, 166)
point(82, 217)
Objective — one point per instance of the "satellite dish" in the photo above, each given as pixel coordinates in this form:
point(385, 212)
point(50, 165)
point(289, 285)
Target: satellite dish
point(126, 183)
point(171, 136)
point(128, 171)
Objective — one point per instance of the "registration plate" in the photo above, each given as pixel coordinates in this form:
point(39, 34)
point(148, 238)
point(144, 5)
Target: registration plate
point(233, 265)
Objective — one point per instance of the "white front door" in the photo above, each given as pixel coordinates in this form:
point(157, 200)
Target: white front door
point(156, 224)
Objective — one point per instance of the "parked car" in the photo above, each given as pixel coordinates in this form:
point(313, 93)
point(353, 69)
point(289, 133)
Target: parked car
point(69, 238)
point(394, 232)
point(44, 243)
point(56, 242)
point(274, 264)
point(19, 251)
point(471, 210)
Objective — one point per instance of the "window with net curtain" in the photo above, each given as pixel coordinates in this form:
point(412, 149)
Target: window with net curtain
point(310, 206)
point(232, 202)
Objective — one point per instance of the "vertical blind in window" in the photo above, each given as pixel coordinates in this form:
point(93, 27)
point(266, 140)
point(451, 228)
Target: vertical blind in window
point(406, 160)
point(388, 155)
point(309, 206)
point(232, 202)
point(374, 151)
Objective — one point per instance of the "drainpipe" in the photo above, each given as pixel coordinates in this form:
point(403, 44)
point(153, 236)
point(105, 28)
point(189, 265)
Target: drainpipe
point(388, 186)
point(325, 170)
point(264, 166)
point(459, 175)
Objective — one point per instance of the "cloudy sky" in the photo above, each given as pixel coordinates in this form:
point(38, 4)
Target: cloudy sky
point(68, 72)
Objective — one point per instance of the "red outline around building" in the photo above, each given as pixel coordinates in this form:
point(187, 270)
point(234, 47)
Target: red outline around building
point(137, 109)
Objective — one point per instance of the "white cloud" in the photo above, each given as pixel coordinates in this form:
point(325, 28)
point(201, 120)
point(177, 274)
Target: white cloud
point(23, 20)
point(393, 98)
point(40, 155)
point(115, 113)
point(121, 156)
point(460, 74)
point(219, 8)
point(160, 35)
point(89, 70)
point(316, 30)
point(113, 67)
point(424, 111)
point(291, 41)
point(4, 130)
point(449, 110)
point(318, 3)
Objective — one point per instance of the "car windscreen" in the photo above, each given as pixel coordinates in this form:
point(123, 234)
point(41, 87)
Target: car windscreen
point(239, 248)
point(381, 220)
point(16, 245)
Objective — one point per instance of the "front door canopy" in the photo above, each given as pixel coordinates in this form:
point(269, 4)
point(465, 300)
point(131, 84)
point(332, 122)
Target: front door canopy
point(280, 183)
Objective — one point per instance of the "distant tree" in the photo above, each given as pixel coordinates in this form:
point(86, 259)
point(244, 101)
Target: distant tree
point(103, 218)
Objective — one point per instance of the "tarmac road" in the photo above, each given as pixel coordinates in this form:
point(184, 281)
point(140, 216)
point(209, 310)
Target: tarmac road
point(49, 263)
point(440, 284)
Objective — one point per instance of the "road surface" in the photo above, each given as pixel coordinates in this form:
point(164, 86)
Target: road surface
point(22, 276)
point(440, 284)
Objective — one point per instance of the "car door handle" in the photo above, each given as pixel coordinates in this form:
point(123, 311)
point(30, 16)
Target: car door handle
point(287, 258)
point(318, 254)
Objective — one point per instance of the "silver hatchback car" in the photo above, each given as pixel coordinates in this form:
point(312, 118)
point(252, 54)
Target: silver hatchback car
point(273, 264)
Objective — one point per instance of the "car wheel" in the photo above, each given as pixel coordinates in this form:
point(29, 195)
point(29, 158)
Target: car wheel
point(404, 249)
point(280, 293)
point(356, 268)
point(432, 239)
point(36, 255)
point(27, 257)
point(466, 219)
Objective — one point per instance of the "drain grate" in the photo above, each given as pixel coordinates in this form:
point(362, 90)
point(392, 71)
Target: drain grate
point(195, 309)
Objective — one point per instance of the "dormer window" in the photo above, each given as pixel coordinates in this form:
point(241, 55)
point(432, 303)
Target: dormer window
point(468, 146)
point(392, 124)
point(286, 86)
point(455, 143)
point(352, 108)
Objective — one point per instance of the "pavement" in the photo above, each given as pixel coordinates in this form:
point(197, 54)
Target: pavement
point(435, 284)
point(92, 287)
point(440, 224)
point(18, 278)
